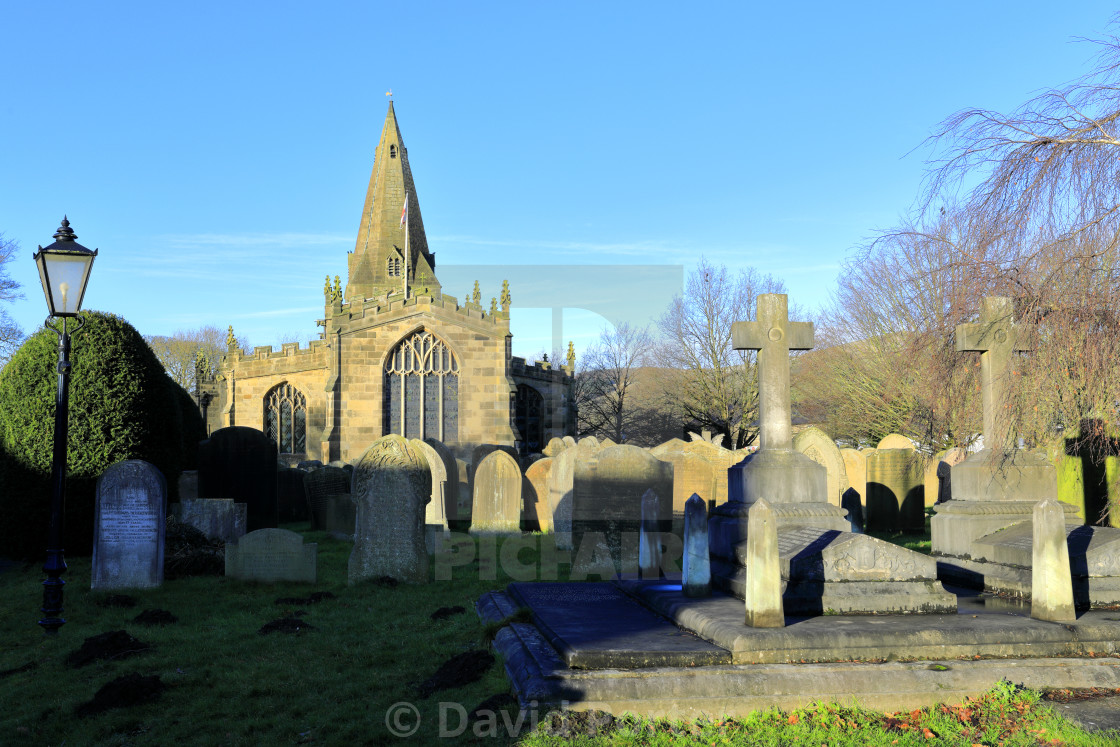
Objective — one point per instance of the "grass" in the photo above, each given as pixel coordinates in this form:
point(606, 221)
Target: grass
point(372, 646)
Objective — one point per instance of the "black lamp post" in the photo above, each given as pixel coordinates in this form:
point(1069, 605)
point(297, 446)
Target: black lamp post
point(64, 270)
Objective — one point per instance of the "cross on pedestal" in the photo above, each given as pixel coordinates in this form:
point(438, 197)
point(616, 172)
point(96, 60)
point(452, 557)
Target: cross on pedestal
point(996, 337)
point(773, 335)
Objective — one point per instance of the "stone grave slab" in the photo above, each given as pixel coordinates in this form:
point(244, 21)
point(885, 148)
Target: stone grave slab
point(271, 555)
point(595, 624)
point(128, 534)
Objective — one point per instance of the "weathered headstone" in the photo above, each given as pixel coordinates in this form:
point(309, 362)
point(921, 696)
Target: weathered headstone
point(392, 486)
point(188, 485)
point(763, 596)
point(291, 501)
point(1051, 578)
point(938, 475)
point(607, 503)
point(697, 574)
point(698, 467)
point(534, 494)
point(271, 555)
point(895, 491)
point(855, 466)
point(895, 441)
point(554, 447)
point(560, 485)
point(309, 465)
point(217, 518)
point(464, 506)
point(128, 530)
point(451, 478)
point(818, 446)
point(1087, 464)
point(569, 441)
point(497, 494)
point(649, 541)
point(240, 463)
point(340, 516)
point(320, 484)
point(436, 511)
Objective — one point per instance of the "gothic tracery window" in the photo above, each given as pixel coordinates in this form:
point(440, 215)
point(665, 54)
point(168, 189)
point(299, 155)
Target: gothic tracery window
point(421, 389)
point(394, 267)
point(528, 407)
point(285, 419)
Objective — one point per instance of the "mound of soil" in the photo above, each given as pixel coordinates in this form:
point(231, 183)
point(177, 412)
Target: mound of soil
point(286, 625)
point(155, 617)
point(123, 601)
point(461, 669)
point(116, 644)
point(129, 690)
point(575, 724)
point(315, 598)
point(187, 552)
point(445, 612)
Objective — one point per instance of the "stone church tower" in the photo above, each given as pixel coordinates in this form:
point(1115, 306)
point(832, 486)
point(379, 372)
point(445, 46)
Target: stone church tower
point(396, 355)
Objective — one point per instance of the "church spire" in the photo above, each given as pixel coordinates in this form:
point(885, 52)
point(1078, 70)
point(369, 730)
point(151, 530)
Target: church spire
point(379, 262)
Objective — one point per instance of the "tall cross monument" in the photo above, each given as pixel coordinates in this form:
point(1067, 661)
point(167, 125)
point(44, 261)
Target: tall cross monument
point(996, 337)
point(773, 335)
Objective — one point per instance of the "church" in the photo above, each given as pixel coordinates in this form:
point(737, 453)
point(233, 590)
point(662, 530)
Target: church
point(395, 354)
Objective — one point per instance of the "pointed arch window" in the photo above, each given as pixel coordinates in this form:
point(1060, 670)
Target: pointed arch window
point(421, 389)
point(527, 411)
point(394, 267)
point(392, 151)
point(285, 419)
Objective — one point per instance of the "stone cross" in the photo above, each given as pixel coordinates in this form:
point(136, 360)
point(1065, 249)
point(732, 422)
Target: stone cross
point(773, 336)
point(996, 337)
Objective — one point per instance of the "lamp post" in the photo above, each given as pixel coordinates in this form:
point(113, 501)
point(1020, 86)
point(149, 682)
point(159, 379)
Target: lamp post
point(64, 270)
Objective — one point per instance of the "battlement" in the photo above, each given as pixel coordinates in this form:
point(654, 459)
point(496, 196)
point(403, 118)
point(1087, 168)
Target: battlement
point(268, 352)
point(537, 369)
point(392, 302)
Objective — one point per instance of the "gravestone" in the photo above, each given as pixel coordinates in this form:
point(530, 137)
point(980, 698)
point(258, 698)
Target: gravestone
point(554, 447)
point(607, 505)
point(569, 441)
point(128, 529)
point(465, 499)
point(1087, 471)
point(698, 467)
point(309, 465)
point(318, 486)
point(497, 494)
point(1051, 580)
point(855, 467)
point(938, 475)
point(240, 463)
point(291, 501)
point(649, 541)
point(340, 516)
point(560, 485)
point(895, 491)
point(392, 486)
point(853, 573)
point(272, 555)
point(436, 512)
point(451, 475)
point(763, 593)
point(534, 494)
point(818, 446)
point(217, 518)
point(696, 570)
point(895, 441)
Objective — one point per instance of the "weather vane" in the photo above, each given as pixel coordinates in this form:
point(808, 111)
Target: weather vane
point(389, 93)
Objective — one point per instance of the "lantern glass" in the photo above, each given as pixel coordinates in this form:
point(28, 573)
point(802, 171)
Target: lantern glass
point(64, 276)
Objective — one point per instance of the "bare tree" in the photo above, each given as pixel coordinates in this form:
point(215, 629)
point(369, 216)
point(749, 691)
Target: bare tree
point(708, 382)
point(178, 352)
point(10, 333)
point(607, 377)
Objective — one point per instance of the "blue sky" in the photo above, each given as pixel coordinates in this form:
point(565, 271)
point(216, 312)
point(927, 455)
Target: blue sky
point(218, 153)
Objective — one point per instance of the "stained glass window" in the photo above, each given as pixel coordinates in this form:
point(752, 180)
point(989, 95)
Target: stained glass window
point(527, 415)
point(285, 419)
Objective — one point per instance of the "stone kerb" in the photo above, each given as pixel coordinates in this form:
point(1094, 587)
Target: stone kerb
point(128, 539)
point(271, 555)
point(392, 486)
point(818, 446)
point(607, 507)
point(497, 494)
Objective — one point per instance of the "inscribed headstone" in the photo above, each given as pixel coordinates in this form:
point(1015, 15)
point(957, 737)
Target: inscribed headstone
point(497, 494)
point(895, 492)
point(855, 466)
point(560, 484)
point(895, 441)
point(436, 511)
point(217, 518)
point(318, 486)
point(240, 463)
point(938, 475)
point(451, 475)
point(272, 555)
point(128, 530)
point(534, 494)
point(554, 447)
point(392, 486)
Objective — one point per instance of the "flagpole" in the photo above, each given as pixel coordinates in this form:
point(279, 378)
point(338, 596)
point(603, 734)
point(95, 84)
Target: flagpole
point(407, 254)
